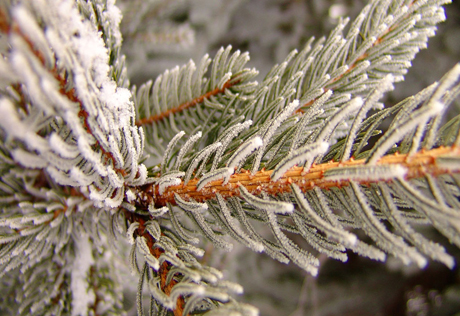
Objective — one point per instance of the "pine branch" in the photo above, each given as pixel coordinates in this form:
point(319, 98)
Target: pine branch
point(62, 81)
point(218, 165)
point(187, 99)
point(289, 153)
point(323, 176)
point(184, 106)
point(269, 195)
point(156, 252)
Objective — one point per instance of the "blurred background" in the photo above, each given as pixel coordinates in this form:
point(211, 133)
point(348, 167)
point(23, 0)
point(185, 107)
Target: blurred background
point(160, 34)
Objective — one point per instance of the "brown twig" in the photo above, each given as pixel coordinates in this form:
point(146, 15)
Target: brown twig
point(418, 165)
point(156, 252)
point(186, 105)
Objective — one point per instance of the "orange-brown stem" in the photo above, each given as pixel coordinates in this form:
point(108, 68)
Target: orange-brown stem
point(156, 252)
point(184, 106)
point(418, 165)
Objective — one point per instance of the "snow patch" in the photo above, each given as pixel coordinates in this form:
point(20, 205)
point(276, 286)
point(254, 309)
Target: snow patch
point(82, 295)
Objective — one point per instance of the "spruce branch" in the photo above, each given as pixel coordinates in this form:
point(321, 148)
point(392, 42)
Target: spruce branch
point(184, 106)
point(323, 176)
point(289, 153)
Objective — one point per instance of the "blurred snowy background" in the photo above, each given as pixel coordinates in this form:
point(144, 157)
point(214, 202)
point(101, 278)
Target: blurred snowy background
point(160, 34)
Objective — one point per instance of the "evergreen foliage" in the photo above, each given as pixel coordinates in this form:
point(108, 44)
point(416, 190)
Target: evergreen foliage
point(205, 153)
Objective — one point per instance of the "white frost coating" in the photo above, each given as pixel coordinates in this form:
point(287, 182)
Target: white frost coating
point(57, 221)
point(152, 261)
point(137, 136)
point(252, 244)
point(308, 263)
point(366, 173)
point(153, 228)
point(224, 79)
point(168, 183)
point(395, 135)
point(378, 232)
point(365, 45)
point(117, 200)
point(60, 177)
point(31, 73)
point(117, 100)
point(42, 235)
point(244, 150)
point(447, 82)
point(183, 289)
point(159, 295)
point(434, 250)
point(214, 176)
point(233, 287)
point(197, 252)
point(41, 218)
point(170, 146)
point(94, 158)
point(385, 85)
point(227, 138)
point(82, 54)
point(115, 151)
point(205, 152)
point(141, 244)
point(299, 156)
point(130, 232)
point(171, 258)
point(7, 74)
point(190, 206)
point(167, 245)
point(130, 196)
point(82, 178)
point(339, 233)
point(156, 212)
point(9, 120)
point(267, 205)
point(82, 293)
point(188, 144)
point(33, 32)
point(54, 160)
point(115, 180)
point(28, 159)
point(30, 230)
point(142, 173)
point(180, 289)
point(113, 14)
point(62, 148)
point(339, 117)
point(272, 127)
